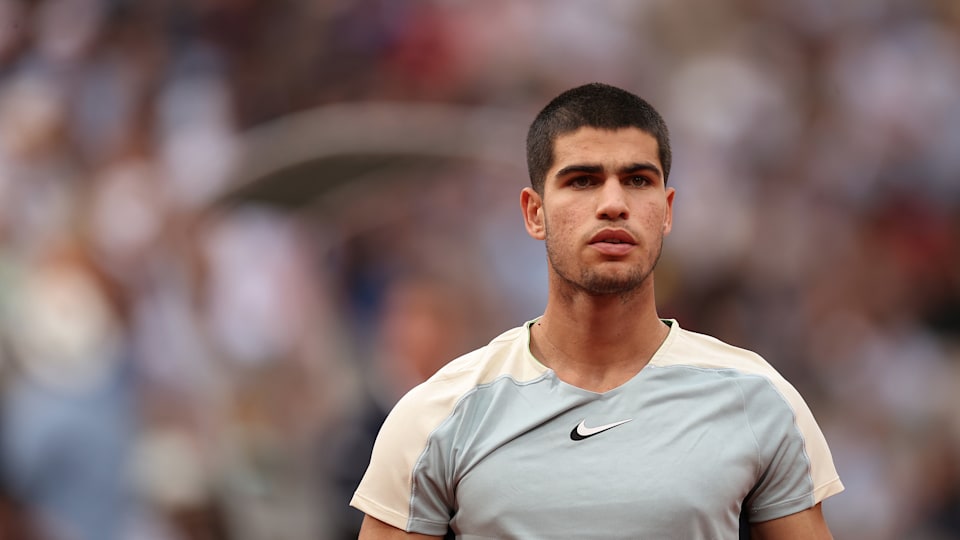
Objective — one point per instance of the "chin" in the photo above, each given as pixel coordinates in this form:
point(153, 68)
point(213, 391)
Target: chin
point(602, 285)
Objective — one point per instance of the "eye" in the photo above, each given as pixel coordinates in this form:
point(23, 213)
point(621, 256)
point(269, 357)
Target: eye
point(638, 181)
point(581, 181)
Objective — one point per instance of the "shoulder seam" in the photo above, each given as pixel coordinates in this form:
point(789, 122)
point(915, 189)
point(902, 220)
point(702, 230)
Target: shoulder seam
point(453, 411)
point(753, 433)
point(803, 440)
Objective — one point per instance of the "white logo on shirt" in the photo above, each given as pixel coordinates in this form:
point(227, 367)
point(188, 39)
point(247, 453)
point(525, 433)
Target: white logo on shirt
point(582, 431)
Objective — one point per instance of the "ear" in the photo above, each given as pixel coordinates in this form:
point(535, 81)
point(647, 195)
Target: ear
point(531, 203)
point(668, 213)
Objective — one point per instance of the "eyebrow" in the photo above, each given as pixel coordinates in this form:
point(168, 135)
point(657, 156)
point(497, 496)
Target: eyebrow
point(595, 169)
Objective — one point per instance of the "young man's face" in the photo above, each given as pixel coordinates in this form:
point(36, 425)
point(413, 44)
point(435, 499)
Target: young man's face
point(604, 210)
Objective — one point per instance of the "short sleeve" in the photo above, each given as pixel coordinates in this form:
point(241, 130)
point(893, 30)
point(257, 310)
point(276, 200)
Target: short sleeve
point(405, 484)
point(795, 467)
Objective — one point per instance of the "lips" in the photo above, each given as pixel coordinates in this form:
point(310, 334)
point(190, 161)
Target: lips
point(613, 242)
point(613, 236)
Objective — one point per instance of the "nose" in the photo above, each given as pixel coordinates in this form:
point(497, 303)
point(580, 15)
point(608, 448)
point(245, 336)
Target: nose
point(613, 202)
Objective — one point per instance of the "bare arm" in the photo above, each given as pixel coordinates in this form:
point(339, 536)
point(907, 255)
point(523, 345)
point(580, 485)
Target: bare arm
point(806, 525)
point(374, 529)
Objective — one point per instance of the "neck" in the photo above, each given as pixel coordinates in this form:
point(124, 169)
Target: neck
point(598, 342)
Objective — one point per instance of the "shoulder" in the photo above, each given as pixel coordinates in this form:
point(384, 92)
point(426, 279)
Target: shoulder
point(753, 373)
point(779, 417)
point(701, 350)
point(506, 356)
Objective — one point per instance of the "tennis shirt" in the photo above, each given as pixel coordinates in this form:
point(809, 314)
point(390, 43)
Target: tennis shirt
point(494, 445)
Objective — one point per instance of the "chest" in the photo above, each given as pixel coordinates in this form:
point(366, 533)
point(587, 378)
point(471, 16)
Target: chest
point(678, 466)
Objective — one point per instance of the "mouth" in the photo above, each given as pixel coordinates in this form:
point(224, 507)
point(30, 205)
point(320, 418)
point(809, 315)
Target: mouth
point(613, 243)
point(613, 236)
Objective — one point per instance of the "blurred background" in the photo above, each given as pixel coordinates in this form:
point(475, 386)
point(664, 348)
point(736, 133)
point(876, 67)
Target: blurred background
point(234, 232)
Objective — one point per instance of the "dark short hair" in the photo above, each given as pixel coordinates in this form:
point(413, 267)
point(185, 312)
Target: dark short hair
point(595, 105)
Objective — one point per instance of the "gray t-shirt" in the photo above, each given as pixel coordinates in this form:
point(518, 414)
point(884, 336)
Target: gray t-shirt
point(496, 446)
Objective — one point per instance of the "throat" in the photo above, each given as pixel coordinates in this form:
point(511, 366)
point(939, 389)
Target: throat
point(593, 365)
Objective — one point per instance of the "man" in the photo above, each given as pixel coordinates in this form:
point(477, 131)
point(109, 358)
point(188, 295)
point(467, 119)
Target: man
point(599, 419)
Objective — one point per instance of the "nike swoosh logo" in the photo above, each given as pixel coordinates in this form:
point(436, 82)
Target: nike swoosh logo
point(582, 431)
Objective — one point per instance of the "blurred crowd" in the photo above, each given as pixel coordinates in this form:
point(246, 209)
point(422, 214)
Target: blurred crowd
point(172, 368)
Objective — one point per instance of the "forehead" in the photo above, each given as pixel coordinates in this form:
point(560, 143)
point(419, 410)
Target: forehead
point(605, 147)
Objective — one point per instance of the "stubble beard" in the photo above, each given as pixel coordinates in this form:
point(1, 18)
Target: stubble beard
point(596, 283)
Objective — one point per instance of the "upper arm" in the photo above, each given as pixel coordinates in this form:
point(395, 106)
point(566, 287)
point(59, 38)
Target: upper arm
point(807, 524)
point(795, 468)
point(374, 529)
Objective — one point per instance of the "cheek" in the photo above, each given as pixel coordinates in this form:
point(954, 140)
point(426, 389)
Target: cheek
point(559, 224)
point(653, 215)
